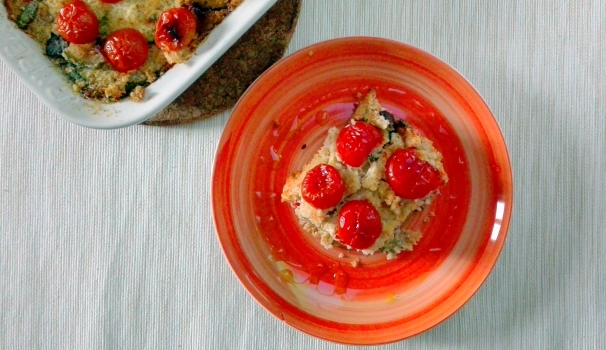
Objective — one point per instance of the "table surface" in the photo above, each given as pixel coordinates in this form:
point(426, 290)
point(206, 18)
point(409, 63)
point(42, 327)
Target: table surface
point(107, 239)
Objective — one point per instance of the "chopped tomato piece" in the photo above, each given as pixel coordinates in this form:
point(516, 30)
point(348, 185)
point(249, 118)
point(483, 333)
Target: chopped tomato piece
point(409, 176)
point(356, 141)
point(77, 24)
point(323, 187)
point(175, 29)
point(359, 224)
point(126, 50)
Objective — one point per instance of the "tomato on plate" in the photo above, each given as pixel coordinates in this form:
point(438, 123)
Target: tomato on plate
point(409, 176)
point(359, 224)
point(126, 50)
point(175, 29)
point(356, 141)
point(323, 187)
point(77, 24)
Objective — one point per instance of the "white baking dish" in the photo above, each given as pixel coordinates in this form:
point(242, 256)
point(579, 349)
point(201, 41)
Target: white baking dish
point(24, 56)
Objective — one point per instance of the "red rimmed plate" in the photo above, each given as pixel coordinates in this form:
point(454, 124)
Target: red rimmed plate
point(281, 122)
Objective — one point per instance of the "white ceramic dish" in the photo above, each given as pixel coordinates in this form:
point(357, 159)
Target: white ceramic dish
point(24, 56)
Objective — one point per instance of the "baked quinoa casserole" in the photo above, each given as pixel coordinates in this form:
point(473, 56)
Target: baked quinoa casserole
point(365, 181)
point(112, 49)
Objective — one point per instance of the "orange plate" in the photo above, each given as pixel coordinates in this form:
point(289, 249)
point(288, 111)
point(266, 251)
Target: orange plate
point(282, 121)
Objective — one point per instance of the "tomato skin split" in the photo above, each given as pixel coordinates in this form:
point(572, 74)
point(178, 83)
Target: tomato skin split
point(175, 29)
point(410, 177)
point(356, 141)
point(359, 224)
point(323, 187)
point(76, 23)
point(126, 50)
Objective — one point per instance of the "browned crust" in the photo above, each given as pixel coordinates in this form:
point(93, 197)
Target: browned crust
point(14, 8)
point(225, 81)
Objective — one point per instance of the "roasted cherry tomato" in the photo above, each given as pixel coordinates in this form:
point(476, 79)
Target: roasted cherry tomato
point(175, 29)
point(76, 23)
point(356, 141)
point(410, 177)
point(126, 50)
point(323, 187)
point(359, 224)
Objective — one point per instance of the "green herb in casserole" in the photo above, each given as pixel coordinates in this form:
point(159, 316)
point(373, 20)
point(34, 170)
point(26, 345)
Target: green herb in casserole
point(90, 66)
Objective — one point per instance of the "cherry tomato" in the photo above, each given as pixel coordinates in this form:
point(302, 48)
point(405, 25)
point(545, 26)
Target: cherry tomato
point(323, 187)
point(76, 23)
point(356, 141)
point(410, 177)
point(175, 29)
point(359, 224)
point(126, 49)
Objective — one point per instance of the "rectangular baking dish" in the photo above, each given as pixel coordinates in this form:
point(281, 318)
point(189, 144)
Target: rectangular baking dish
point(26, 59)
